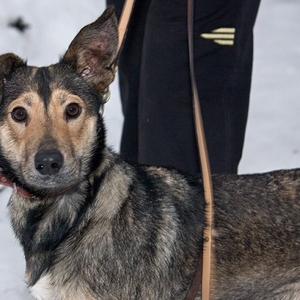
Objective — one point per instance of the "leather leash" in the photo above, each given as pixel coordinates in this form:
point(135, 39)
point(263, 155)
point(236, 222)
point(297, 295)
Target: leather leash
point(203, 271)
point(123, 24)
point(206, 174)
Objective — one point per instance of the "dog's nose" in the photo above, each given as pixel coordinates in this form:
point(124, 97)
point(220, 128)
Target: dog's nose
point(48, 162)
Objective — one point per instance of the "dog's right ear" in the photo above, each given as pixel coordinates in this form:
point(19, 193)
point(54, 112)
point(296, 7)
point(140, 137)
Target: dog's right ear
point(93, 51)
point(8, 64)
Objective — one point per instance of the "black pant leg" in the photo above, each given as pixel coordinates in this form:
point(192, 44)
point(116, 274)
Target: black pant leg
point(166, 127)
point(224, 76)
point(129, 76)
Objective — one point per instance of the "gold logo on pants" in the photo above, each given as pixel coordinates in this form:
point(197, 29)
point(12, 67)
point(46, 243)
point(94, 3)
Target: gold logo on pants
point(222, 36)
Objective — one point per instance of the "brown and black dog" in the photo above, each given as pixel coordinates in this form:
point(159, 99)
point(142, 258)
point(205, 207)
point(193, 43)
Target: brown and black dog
point(95, 227)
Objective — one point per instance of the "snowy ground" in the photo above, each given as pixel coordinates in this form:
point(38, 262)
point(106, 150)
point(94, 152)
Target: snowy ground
point(271, 142)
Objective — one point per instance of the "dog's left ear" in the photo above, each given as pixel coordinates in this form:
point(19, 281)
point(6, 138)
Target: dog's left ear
point(9, 62)
point(92, 53)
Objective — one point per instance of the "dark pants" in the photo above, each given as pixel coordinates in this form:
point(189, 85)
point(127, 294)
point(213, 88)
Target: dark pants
point(155, 84)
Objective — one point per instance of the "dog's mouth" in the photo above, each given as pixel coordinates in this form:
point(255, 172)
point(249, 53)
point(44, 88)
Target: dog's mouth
point(50, 172)
point(46, 173)
point(42, 181)
point(48, 187)
point(28, 191)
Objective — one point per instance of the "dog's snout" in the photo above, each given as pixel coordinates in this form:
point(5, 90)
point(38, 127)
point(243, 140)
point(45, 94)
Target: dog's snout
point(48, 162)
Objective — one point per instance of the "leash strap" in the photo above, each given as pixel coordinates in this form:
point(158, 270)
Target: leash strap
point(205, 265)
point(122, 29)
point(123, 24)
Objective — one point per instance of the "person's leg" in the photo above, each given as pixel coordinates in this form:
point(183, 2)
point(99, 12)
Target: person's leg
point(166, 127)
point(223, 37)
point(129, 73)
point(166, 134)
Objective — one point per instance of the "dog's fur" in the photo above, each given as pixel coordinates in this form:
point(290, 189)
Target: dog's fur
point(100, 228)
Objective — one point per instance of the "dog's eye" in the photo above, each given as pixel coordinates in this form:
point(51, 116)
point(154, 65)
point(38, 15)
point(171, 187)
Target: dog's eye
point(19, 114)
point(73, 111)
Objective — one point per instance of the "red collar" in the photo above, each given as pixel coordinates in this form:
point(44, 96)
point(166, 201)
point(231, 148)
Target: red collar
point(5, 181)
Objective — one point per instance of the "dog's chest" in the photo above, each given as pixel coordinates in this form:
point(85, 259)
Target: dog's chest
point(43, 289)
point(46, 289)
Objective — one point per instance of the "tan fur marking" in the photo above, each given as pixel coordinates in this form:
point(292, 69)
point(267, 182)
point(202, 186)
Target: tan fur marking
point(23, 137)
point(72, 134)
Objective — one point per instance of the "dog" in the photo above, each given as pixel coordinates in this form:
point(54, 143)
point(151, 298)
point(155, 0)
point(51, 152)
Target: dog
point(93, 226)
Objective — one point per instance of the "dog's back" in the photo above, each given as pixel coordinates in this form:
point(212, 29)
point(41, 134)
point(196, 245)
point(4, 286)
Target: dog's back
point(257, 236)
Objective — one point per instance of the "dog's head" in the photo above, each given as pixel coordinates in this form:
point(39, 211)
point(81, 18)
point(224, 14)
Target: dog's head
point(51, 132)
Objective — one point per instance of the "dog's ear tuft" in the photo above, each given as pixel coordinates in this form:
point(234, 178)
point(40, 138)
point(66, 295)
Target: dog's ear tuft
point(8, 64)
point(92, 53)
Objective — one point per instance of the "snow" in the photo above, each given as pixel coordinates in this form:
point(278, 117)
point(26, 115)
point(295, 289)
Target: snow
point(271, 137)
